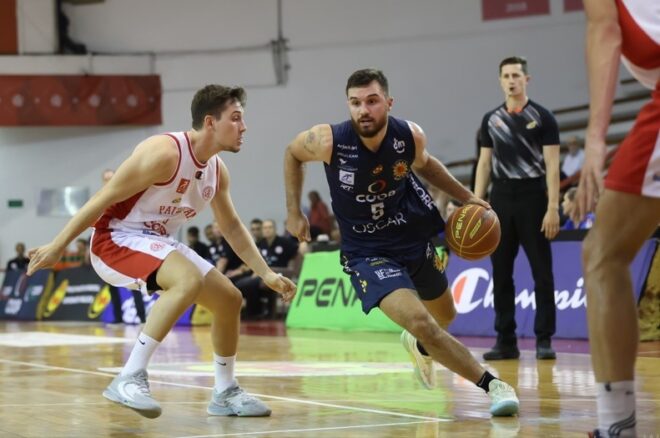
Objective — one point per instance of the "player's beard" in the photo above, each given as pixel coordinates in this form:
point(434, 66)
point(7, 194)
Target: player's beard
point(377, 126)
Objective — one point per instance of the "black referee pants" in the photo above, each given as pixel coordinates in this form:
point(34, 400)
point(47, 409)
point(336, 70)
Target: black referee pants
point(521, 206)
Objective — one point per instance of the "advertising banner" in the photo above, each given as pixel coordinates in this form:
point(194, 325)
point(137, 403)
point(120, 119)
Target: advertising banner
point(21, 295)
point(326, 299)
point(194, 315)
point(78, 295)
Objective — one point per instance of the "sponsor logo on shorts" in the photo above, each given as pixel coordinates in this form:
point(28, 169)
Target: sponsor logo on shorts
point(156, 246)
point(363, 285)
point(386, 273)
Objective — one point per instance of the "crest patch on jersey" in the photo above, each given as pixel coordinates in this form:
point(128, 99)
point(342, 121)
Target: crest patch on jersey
point(400, 169)
point(377, 170)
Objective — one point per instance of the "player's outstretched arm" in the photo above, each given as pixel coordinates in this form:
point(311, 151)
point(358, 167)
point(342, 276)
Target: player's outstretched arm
point(315, 144)
point(154, 160)
point(241, 241)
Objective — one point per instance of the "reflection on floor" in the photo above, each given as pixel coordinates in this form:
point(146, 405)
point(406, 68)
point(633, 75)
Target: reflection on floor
point(318, 383)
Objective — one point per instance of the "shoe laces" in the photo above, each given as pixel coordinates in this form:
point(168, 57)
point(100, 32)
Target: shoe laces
point(142, 382)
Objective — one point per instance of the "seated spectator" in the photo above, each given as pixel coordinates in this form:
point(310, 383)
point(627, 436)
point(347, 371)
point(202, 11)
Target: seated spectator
point(256, 225)
point(193, 242)
point(214, 236)
point(281, 255)
point(320, 221)
point(574, 158)
point(567, 206)
point(20, 262)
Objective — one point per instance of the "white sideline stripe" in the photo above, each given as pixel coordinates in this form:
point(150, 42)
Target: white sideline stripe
point(359, 426)
point(274, 397)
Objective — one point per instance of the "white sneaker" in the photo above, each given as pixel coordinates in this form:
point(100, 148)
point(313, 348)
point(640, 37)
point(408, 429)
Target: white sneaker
point(235, 401)
point(424, 365)
point(504, 401)
point(132, 390)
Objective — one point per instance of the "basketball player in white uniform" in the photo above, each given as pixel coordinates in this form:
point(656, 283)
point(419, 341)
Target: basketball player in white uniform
point(166, 181)
point(628, 208)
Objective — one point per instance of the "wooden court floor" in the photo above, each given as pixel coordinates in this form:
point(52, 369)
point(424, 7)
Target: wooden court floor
point(319, 384)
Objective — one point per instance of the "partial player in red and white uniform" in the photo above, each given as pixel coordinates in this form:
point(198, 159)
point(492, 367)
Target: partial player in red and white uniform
point(628, 206)
point(636, 167)
point(134, 236)
point(165, 182)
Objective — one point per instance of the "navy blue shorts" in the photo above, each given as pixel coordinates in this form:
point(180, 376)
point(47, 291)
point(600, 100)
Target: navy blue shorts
point(376, 277)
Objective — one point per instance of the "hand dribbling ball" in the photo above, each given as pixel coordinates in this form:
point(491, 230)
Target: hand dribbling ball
point(473, 232)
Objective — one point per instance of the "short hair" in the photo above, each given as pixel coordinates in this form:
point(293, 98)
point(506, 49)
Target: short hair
point(212, 100)
point(514, 60)
point(362, 78)
point(256, 220)
point(570, 193)
point(193, 231)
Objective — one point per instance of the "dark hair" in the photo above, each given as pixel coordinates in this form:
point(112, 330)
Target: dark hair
point(364, 77)
point(212, 100)
point(514, 60)
point(256, 220)
point(193, 231)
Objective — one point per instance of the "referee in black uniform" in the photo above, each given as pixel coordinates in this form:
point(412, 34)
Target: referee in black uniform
point(520, 152)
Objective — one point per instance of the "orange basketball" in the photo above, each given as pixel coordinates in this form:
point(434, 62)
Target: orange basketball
point(473, 232)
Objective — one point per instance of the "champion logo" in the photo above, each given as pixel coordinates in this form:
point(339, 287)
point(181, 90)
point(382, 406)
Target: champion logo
point(473, 288)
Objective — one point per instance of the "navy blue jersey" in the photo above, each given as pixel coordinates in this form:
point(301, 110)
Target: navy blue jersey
point(381, 207)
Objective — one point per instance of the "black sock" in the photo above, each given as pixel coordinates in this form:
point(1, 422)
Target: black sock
point(485, 381)
point(421, 349)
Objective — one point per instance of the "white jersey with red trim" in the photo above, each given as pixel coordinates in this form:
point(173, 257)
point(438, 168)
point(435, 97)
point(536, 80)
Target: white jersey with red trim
point(640, 31)
point(162, 208)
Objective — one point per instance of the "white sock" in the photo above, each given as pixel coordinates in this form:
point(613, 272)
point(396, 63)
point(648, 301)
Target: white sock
point(616, 408)
point(224, 371)
point(142, 351)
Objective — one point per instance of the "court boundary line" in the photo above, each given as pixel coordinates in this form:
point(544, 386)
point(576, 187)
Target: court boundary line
point(274, 397)
point(314, 429)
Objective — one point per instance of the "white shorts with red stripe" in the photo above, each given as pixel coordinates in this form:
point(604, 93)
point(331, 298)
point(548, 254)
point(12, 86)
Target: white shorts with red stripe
point(126, 259)
point(636, 165)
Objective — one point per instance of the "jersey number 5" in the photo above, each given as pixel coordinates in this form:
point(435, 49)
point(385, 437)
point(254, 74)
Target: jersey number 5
point(377, 210)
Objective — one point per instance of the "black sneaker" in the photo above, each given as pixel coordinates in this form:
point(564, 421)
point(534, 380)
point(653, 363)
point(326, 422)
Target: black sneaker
point(501, 352)
point(544, 351)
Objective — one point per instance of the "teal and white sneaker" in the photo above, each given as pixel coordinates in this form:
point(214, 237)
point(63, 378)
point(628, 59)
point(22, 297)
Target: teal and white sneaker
point(235, 401)
point(504, 401)
point(424, 365)
point(132, 391)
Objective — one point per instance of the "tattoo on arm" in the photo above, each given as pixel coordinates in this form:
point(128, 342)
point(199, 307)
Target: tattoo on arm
point(310, 138)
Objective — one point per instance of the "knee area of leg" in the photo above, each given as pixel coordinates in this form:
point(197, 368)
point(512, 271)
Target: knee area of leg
point(422, 327)
point(192, 285)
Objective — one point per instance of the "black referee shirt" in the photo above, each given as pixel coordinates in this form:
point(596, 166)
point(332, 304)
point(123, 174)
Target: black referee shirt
point(517, 140)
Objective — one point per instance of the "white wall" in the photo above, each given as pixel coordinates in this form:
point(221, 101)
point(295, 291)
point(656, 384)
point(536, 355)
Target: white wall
point(440, 58)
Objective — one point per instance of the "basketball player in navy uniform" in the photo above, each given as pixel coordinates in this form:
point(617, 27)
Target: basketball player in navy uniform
point(387, 218)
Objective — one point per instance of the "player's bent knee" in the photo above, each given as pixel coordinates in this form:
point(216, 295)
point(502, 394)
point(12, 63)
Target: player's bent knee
point(191, 285)
point(422, 327)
